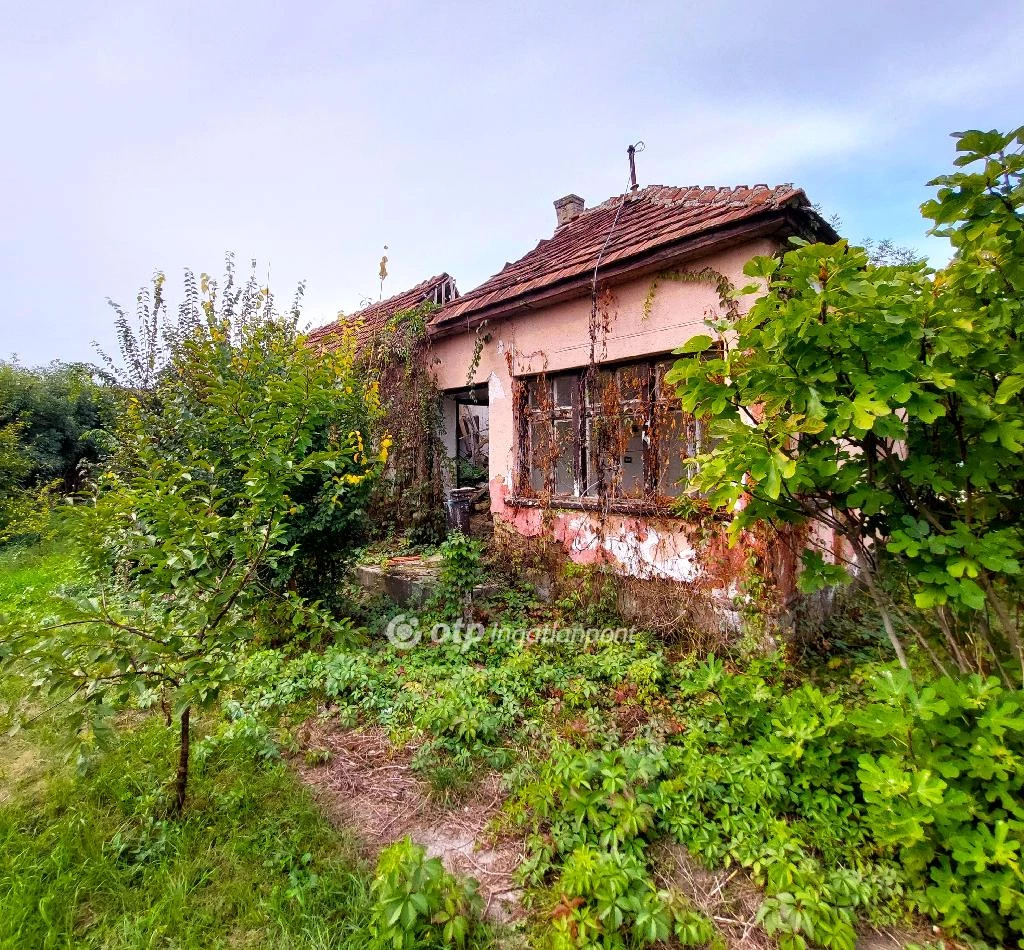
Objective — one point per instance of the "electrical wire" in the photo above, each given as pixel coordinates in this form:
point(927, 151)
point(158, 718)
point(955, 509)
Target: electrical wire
point(638, 146)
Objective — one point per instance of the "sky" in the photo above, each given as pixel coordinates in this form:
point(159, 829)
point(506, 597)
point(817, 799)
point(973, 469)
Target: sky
point(308, 136)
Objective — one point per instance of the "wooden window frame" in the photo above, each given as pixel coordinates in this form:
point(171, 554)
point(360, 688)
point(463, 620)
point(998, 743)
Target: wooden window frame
point(542, 408)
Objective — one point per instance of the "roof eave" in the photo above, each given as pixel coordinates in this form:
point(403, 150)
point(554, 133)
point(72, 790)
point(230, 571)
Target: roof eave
point(788, 221)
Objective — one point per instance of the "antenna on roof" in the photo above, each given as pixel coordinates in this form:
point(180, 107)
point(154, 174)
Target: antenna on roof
point(383, 272)
point(631, 152)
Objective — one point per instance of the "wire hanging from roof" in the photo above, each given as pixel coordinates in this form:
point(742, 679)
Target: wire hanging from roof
point(635, 147)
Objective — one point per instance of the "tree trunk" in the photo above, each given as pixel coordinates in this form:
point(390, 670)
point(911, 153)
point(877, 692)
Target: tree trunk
point(1006, 622)
point(878, 597)
point(181, 780)
point(945, 621)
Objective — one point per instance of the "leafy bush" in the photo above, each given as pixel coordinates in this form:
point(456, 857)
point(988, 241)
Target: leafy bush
point(461, 719)
point(64, 416)
point(469, 474)
point(869, 799)
point(56, 423)
point(588, 595)
point(890, 411)
point(607, 897)
point(194, 533)
point(419, 904)
point(912, 800)
point(242, 734)
point(14, 468)
point(943, 784)
point(461, 571)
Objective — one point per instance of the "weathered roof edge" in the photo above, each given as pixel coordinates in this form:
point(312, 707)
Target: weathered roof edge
point(796, 220)
point(367, 321)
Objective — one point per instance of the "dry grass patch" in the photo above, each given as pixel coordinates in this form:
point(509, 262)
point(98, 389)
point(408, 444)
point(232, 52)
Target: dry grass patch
point(368, 786)
point(728, 896)
point(22, 770)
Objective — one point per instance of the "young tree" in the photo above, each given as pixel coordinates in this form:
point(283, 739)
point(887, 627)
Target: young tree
point(884, 402)
point(194, 526)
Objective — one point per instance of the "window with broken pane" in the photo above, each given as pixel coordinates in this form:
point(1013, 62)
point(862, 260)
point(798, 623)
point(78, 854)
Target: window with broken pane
point(617, 433)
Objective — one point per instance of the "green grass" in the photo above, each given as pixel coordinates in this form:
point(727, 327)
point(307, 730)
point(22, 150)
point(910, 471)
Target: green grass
point(87, 860)
point(44, 565)
point(253, 863)
point(28, 576)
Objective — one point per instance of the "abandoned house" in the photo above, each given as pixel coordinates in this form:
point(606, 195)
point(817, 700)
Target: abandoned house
point(552, 371)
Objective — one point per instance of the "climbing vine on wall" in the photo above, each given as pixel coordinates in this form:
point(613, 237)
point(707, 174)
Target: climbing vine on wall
point(410, 498)
point(479, 341)
point(621, 437)
point(706, 275)
point(612, 439)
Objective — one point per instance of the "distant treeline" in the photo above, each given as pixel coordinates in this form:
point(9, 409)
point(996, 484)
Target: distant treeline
point(56, 423)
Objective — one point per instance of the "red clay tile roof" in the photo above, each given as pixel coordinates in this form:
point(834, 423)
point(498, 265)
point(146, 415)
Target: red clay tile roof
point(371, 319)
point(651, 218)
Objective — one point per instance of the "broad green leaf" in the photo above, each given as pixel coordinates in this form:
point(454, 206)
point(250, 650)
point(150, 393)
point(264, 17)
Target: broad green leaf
point(696, 344)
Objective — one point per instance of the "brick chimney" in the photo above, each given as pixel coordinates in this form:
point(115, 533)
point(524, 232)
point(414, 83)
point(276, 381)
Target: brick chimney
point(568, 209)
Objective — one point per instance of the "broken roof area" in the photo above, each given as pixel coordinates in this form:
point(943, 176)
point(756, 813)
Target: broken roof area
point(656, 224)
point(369, 321)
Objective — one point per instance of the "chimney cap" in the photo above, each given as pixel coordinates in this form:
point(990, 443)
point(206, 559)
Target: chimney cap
point(568, 208)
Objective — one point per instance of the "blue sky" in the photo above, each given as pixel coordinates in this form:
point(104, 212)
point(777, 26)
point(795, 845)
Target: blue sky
point(160, 135)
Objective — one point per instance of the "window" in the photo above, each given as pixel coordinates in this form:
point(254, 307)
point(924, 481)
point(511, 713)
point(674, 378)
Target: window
point(618, 433)
point(444, 293)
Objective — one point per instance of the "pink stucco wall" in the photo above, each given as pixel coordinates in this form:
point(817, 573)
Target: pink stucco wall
point(558, 338)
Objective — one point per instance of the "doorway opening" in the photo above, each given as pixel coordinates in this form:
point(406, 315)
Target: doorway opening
point(472, 437)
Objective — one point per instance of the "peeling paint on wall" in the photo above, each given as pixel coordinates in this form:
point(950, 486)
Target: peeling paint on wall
point(629, 545)
point(551, 340)
point(495, 391)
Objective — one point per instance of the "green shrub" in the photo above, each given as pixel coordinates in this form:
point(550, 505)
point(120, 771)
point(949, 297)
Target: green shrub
point(870, 800)
point(250, 452)
point(419, 904)
point(943, 783)
point(608, 896)
point(461, 571)
point(589, 595)
point(890, 412)
point(840, 806)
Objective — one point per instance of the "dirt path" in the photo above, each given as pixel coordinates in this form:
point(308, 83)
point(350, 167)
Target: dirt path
point(23, 769)
point(368, 786)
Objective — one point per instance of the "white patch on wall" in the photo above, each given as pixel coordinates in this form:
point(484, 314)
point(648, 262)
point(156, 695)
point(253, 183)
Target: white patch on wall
point(668, 557)
point(495, 391)
point(449, 412)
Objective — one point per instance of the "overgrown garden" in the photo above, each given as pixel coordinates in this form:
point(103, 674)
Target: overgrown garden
point(173, 627)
